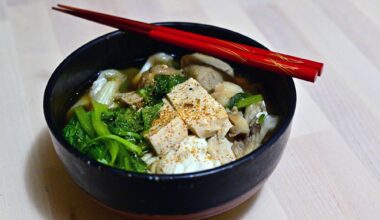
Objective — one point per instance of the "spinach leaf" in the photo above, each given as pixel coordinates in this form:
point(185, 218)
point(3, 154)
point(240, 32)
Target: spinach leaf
point(75, 134)
point(242, 100)
point(84, 119)
point(77, 137)
point(101, 129)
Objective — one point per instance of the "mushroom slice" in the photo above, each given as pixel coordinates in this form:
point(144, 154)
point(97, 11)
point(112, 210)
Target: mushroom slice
point(220, 149)
point(201, 59)
point(240, 124)
point(238, 147)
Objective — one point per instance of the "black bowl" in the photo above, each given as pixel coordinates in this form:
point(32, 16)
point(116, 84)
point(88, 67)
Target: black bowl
point(193, 195)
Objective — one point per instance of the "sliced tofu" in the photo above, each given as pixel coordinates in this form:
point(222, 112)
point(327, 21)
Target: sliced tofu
point(203, 115)
point(167, 130)
point(220, 149)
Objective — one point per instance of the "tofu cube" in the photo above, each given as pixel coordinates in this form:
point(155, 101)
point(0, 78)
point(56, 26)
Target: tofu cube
point(167, 130)
point(203, 115)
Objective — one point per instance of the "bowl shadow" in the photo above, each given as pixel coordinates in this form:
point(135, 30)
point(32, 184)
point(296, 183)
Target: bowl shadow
point(56, 196)
point(52, 190)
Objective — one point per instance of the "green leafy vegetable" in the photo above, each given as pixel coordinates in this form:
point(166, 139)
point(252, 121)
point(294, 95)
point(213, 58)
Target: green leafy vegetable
point(138, 164)
point(123, 161)
point(99, 126)
point(128, 163)
point(134, 135)
point(242, 103)
point(123, 121)
point(101, 129)
point(75, 134)
point(149, 113)
point(77, 137)
point(84, 119)
point(242, 100)
point(165, 83)
point(127, 144)
point(98, 152)
point(131, 162)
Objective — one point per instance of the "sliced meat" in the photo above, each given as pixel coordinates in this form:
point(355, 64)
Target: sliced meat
point(208, 77)
point(201, 59)
point(167, 130)
point(240, 124)
point(224, 91)
point(132, 99)
point(203, 115)
point(220, 149)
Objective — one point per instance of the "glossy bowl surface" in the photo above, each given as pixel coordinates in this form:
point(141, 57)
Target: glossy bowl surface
point(194, 195)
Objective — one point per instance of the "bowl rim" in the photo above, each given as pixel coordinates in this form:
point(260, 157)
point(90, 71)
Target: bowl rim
point(55, 131)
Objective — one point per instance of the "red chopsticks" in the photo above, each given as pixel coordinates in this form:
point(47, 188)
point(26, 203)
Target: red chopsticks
point(256, 57)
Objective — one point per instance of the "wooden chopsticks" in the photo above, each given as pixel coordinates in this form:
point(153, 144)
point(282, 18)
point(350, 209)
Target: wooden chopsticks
point(271, 61)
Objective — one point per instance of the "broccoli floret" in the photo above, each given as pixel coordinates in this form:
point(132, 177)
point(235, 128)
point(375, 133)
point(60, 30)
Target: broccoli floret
point(149, 113)
point(120, 122)
point(165, 83)
point(147, 94)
